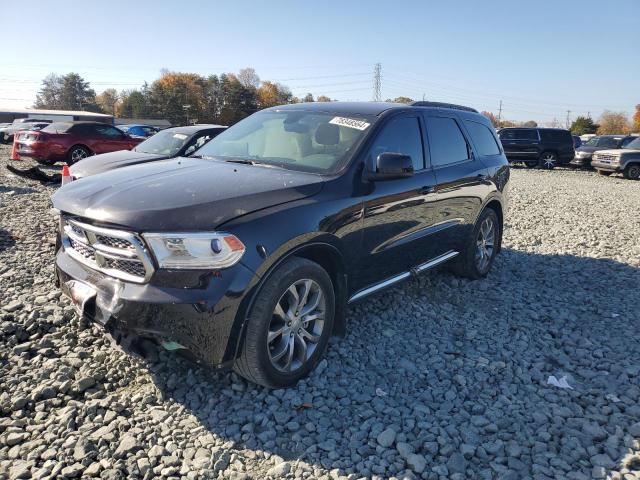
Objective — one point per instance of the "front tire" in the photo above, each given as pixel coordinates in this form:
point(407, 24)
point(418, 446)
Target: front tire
point(77, 153)
point(632, 172)
point(288, 326)
point(481, 248)
point(548, 160)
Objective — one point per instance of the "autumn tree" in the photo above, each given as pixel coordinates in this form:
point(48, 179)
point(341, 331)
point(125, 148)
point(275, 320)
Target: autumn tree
point(529, 124)
point(108, 100)
point(636, 120)
point(612, 123)
point(492, 118)
point(583, 125)
point(323, 98)
point(308, 98)
point(406, 100)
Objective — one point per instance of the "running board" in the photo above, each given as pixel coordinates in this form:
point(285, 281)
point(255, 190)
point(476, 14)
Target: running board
point(402, 276)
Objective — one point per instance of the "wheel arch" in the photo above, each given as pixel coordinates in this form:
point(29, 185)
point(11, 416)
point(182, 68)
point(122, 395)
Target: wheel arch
point(496, 205)
point(329, 257)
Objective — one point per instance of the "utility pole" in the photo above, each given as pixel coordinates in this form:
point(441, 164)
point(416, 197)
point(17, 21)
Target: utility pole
point(377, 82)
point(423, 97)
point(500, 113)
point(568, 113)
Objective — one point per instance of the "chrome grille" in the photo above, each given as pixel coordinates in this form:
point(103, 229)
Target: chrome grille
point(117, 253)
point(606, 157)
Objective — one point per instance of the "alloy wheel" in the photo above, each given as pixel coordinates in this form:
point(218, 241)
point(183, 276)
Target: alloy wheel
point(485, 244)
point(548, 160)
point(296, 325)
point(78, 154)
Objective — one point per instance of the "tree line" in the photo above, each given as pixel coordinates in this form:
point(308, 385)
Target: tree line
point(186, 98)
point(609, 123)
point(181, 98)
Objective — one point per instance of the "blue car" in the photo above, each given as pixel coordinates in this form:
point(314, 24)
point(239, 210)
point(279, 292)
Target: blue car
point(139, 130)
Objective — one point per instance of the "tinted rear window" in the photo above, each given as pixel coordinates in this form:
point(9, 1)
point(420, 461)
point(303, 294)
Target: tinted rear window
point(519, 134)
point(557, 136)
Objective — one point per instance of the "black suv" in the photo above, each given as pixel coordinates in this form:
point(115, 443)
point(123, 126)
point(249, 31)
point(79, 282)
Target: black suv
point(538, 147)
point(248, 253)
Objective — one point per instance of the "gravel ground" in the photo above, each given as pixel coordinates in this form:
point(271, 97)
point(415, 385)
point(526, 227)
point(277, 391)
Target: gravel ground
point(437, 379)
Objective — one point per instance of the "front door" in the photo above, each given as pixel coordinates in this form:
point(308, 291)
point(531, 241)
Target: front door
point(398, 213)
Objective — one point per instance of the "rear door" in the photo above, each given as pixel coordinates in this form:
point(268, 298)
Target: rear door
point(520, 143)
point(461, 179)
point(558, 141)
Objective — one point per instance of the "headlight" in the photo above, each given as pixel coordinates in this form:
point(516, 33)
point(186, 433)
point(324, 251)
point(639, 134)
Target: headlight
point(195, 250)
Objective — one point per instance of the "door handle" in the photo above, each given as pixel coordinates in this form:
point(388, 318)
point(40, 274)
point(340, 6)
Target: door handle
point(427, 189)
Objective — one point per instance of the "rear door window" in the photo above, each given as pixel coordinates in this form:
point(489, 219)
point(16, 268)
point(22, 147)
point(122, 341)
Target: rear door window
point(527, 134)
point(483, 139)
point(447, 144)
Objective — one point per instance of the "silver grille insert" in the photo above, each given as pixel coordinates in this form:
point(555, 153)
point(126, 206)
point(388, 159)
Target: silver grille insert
point(117, 253)
point(606, 157)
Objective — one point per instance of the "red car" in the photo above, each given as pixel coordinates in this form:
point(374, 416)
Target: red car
point(72, 141)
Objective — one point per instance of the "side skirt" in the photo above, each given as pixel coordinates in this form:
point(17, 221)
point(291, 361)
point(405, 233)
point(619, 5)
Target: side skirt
point(402, 276)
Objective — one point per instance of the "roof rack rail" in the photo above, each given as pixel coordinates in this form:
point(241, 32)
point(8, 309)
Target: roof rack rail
point(443, 105)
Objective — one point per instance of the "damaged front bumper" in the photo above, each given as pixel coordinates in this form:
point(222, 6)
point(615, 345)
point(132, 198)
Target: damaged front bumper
point(199, 311)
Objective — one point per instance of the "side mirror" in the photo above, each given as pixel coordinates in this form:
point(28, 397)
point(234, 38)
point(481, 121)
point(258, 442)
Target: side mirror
point(391, 166)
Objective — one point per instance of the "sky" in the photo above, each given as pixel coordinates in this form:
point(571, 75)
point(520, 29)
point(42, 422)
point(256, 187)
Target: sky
point(541, 58)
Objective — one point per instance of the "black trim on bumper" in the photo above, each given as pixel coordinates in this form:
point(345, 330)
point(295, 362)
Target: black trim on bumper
point(203, 314)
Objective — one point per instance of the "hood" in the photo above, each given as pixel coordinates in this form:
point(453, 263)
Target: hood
point(107, 161)
point(587, 149)
point(183, 194)
point(613, 151)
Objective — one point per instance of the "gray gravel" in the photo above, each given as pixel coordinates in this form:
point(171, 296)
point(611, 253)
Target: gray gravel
point(438, 379)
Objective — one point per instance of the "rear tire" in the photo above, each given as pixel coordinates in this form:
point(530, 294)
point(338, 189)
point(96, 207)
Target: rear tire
point(548, 160)
point(632, 172)
point(282, 344)
point(604, 173)
point(477, 257)
point(77, 153)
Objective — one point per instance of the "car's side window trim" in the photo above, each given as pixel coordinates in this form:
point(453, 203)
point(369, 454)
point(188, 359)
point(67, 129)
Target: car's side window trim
point(470, 151)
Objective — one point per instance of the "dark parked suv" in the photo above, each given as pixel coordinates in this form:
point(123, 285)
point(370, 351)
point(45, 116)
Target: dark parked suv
point(248, 253)
point(538, 147)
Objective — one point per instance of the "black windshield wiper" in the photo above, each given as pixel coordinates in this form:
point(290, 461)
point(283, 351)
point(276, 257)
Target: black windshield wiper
point(243, 161)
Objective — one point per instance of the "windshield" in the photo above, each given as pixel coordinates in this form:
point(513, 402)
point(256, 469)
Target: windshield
point(604, 142)
point(163, 143)
point(298, 140)
point(633, 145)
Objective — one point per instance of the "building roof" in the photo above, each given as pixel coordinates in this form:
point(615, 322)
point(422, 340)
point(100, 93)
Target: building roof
point(40, 111)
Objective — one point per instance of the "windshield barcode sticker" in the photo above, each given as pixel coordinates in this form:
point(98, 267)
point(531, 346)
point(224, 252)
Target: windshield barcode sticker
point(349, 122)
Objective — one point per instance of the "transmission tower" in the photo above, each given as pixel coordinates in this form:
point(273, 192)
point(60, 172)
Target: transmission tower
point(377, 83)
